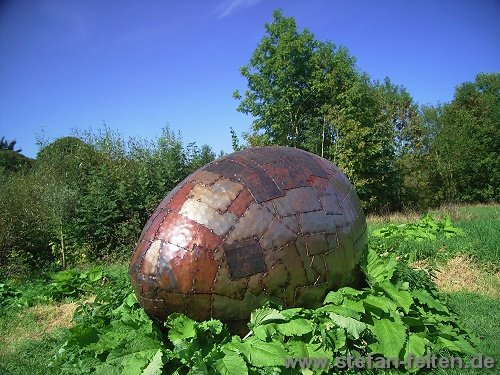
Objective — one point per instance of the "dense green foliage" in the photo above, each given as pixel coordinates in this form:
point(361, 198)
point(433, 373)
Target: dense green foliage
point(466, 141)
point(305, 93)
point(87, 197)
point(426, 228)
point(390, 319)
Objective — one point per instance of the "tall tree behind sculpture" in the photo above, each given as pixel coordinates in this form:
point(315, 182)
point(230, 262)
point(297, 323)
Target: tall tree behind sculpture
point(309, 94)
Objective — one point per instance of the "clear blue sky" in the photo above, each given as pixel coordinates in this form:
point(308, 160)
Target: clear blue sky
point(138, 65)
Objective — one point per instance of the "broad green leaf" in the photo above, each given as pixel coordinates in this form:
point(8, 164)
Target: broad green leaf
point(449, 229)
point(338, 336)
point(381, 302)
point(378, 269)
point(352, 326)
point(131, 300)
point(181, 327)
point(231, 364)
point(213, 325)
point(340, 310)
point(334, 298)
point(348, 291)
point(129, 363)
point(458, 345)
point(259, 353)
point(265, 331)
point(303, 349)
point(83, 336)
point(112, 337)
point(295, 327)
point(402, 297)
point(416, 346)
point(353, 305)
point(387, 231)
point(265, 315)
point(155, 367)
point(95, 275)
point(390, 335)
point(109, 369)
point(290, 313)
point(413, 321)
point(426, 298)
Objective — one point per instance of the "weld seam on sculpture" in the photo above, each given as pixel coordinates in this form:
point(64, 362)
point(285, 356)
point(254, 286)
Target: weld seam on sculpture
point(292, 252)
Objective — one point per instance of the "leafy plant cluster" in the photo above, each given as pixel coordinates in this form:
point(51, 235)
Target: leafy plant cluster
point(390, 318)
point(427, 228)
point(412, 241)
point(73, 284)
point(66, 285)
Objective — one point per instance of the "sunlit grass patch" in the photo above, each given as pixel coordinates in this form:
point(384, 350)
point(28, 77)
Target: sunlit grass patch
point(31, 323)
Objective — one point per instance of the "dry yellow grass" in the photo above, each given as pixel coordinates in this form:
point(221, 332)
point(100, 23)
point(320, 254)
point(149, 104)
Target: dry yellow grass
point(50, 317)
point(395, 217)
point(456, 211)
point(33, 322)
point(462, 274)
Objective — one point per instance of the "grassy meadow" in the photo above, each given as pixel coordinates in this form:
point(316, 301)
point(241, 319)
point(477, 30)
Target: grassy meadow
point(35, 313)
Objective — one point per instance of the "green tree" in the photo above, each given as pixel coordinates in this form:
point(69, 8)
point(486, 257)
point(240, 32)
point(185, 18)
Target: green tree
point(466, 143)
point(421, 183)
point(197, 157)
point(280, 94)
point(62, 169)
point(12, 161)
point(363, 145)
point(404, 115)
point(6, 145)
point(309, 94)
point(24, 233)
point(235, 141)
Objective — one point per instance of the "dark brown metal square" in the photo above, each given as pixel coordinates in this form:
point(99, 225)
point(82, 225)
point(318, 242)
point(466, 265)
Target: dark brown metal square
point(244, 259)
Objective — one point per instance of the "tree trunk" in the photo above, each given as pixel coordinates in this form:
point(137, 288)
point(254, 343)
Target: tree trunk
point(323, 139)
point(63, 250)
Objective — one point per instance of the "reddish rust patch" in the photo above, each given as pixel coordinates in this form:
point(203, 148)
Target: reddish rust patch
point(181, 196)
point(241, 203)
point(319, 182)
point(206, 239)
point(183, 266)
point(204, 271)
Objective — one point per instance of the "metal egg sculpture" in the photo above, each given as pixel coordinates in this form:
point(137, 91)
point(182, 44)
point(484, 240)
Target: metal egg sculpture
point(265, 223)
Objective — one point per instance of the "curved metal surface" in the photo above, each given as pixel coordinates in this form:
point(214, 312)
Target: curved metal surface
point(265, 223)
